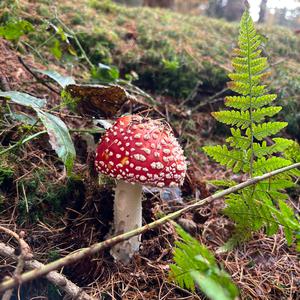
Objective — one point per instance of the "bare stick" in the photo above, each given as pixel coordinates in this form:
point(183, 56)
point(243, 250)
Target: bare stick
point(70, 288)
point(25, 254)
point(85, 252)
point(37, 77)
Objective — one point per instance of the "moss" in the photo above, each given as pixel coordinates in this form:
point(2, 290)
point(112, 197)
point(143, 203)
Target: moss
point(40, 199)
point(6, 174)
point(53, 255)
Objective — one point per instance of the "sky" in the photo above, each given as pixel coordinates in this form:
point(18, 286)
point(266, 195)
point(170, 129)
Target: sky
point(289, 4)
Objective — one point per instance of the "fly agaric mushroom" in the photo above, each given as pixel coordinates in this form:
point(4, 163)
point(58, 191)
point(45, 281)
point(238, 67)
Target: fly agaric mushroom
point(137, 151)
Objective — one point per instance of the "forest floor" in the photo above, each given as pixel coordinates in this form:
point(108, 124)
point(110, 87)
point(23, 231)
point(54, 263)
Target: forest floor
point(60, 215)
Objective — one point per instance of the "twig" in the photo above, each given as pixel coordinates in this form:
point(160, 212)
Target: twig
point(22, 141)
point(36, 77)
point(70, 288)
point(85, 252)
point(25, 254)
point(209, 99)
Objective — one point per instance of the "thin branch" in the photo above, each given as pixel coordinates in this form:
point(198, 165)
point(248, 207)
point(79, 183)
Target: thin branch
point(37, 77)
point(85, 252)
point(210, 99)
point(22, 141)
point(25, 254)
point(70, 288)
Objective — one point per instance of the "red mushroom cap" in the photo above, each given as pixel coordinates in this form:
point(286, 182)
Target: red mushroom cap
point(137, 149)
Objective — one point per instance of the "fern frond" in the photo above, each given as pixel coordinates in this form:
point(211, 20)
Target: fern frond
point(237, 140)
point(258, 115)
point(195, 265)
point(280, 144)
point(223, 182)
point(242, 119)
point(265, 165)
point(244, 77)
point(250, 150)
point(293, 152)
point(261, 131)
point(286, 216)
point(245, 88)
point(234, 118)
point(244, 103)
point(273, 189)
point(233, 159)
point(251, 211)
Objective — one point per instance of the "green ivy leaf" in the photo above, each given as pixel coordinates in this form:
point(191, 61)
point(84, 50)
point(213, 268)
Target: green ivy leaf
point(24, 99)
point(60, 138)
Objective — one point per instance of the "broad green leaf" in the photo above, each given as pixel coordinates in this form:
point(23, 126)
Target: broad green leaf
point(21, 117)
point(60, 138)
point(24, 99)
point(63, 81)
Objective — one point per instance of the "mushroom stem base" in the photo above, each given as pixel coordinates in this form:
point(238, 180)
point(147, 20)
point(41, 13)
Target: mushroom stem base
point(127, 216)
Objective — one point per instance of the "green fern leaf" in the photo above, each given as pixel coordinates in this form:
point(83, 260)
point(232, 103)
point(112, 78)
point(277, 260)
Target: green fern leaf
point(285, 216)
point(251, 149)
point(234, 118)
point(261, 131)
point(244, 103)
point(233, 159)
point(259, 114)
point(195, 265)
point(224, 183)
point(237, 140)
point(279, 145)
point(264, 165)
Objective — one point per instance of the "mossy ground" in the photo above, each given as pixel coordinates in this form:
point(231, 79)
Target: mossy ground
point(173, 54)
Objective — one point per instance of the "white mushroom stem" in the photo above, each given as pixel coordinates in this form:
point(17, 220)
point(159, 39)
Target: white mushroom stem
point(127, 216)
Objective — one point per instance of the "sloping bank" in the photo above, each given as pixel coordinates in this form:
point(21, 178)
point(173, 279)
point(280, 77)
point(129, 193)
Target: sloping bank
point(172, 53)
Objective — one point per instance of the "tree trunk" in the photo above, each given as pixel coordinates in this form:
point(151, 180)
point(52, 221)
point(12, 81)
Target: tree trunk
point(233, 10)
point(262, 11)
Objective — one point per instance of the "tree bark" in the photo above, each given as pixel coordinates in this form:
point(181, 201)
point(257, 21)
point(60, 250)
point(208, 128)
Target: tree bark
point(262, 11)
